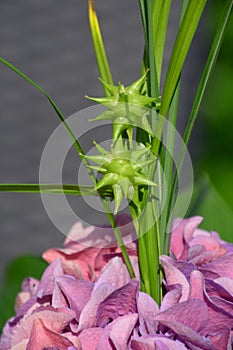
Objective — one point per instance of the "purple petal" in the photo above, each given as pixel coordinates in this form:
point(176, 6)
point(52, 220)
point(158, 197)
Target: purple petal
point(188, 335)
point(196, 286)
point(147, 310)
point(174, 276)
point(226, 283)
point(114, 273)
point(77, 292)
point(221, 267)
point(119, 303)
point(219, 318)
point(42, 335)
point(54, 319)
point(171, 298)
point(30, 285)
point(121, 330)
point(89, 338)
point(58, 298)
point(222, 340)
point(157, 342)
point(47, 280)
point(182, 231)
point(88, 315)
point(185, 313)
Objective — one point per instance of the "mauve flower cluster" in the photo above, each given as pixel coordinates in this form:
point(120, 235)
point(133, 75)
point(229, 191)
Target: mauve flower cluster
point(86, 300)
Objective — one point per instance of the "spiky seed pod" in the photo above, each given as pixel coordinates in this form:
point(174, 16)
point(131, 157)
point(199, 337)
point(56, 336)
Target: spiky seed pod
point(122, 170)
point(125, 106)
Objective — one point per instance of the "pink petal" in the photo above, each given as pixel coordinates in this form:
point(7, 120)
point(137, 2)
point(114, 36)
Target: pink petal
point(219, 317)
point(188, 335)
point(78, 232)
point(157, 342)
point(142, 344)
point(121, 330)
point(180, 229)
point(171, 298)
point(78, 262)
point(207, 256)
point(120, 302)
point(147, 310)
point(30, 285)
point(54, 319)
point(170, 344)
point(190, 227)
point(88, 314)
point(58, 298)
point(115, 273)
point(226, 283)
point(47, 280)
point(196, 286)
point(185, 313)
point(44, 337)
point(175, 276)
point(89, 338)
point(221, 267)
point(77, 292)
point(207, 241)
point(222, 340)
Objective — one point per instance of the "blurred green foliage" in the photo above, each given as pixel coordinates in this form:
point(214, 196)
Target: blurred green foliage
point(16, 272)
point(216, 121)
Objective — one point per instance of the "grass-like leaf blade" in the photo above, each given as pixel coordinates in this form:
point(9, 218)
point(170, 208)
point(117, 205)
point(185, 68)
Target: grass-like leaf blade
point(183, 41)
point(160, 14)
point(101, 57)
point(69, 189)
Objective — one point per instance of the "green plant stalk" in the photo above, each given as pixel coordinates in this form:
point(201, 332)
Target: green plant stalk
point(182, 44)
point(208, 69)
point(119, 239)
point(183, 41)
point(153, 86)
point(169, 153)
point(168, 165)
point(160, 10)
point(148, 236)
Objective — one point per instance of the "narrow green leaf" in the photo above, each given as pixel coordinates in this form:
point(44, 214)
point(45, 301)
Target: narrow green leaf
point(183, 41)
point(160, 15)
point(169, 154)
point(102, 61)
point(69, 189)
point(153, 80)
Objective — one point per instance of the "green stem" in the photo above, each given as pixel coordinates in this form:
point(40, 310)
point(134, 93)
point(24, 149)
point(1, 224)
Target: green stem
point(119, 238)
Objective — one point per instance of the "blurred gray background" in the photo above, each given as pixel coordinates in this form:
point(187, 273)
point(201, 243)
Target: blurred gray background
point(50, 41)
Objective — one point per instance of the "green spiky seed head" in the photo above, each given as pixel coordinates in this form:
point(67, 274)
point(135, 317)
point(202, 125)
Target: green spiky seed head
point(126, 106)
point(122, 170)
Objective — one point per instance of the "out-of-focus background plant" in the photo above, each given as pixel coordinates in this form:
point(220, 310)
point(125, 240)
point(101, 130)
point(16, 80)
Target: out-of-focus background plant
point(211, 144)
